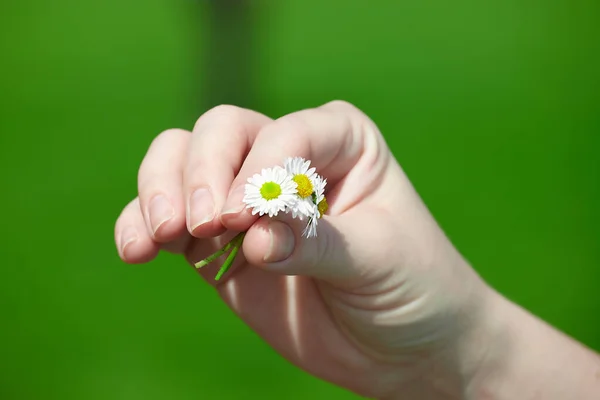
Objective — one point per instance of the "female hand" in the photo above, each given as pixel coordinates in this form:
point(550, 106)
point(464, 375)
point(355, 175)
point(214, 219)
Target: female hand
point(380, 302)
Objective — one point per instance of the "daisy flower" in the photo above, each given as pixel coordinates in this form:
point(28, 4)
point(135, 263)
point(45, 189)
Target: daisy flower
point(271, 191)
point(320, 207)
point(305, 177)
point(319, 195)
point(296, 188)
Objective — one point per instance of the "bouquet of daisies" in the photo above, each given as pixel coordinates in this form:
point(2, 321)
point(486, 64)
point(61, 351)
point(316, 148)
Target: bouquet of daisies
point(294, 189)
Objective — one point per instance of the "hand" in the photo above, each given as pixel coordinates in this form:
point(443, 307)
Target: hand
point(380, 302)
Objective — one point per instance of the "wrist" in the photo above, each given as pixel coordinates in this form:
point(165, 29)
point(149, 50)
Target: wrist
point(452, 368)
point(528, 359)
point(500, 351)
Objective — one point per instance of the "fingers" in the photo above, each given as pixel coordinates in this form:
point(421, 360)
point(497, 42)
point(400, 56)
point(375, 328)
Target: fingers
point(131, 235)
point(221, 140)
point(183, 182)
point(160, 185)
point(195, 182)
point(334, 137)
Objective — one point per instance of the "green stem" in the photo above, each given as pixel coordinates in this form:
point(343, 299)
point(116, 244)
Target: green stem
point(215, 255)
point(229, 261)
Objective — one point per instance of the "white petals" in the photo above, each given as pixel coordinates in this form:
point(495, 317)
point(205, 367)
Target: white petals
point(320, 184)
point(298, 165)
point(262, 204)
point(287, 190)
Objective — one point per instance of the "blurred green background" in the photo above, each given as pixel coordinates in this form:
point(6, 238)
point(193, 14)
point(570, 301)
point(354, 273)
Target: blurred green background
point(492, 108)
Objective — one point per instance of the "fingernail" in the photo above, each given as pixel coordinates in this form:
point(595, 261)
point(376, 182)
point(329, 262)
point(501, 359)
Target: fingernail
point(281, 244)
point(234, 203)
point(128, 236)
point(161, 210)
point(201, 208)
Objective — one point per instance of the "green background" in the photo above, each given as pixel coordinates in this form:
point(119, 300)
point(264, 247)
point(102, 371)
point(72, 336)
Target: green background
point(492, 108)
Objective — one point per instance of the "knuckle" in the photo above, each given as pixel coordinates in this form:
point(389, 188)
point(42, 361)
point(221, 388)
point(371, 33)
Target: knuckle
point(168, 136)
point(291, 125)
point(342, 105)
point(357, 123)
point(222, 112)
point(287, 131)
point(353, 114)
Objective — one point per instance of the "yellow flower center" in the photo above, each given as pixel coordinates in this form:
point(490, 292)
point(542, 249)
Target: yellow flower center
point(322, 206)
point(305, 187)
point(270, 190)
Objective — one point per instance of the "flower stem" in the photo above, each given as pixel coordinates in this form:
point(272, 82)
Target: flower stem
point(215, 255)
point(236, 241)
point(231, 258)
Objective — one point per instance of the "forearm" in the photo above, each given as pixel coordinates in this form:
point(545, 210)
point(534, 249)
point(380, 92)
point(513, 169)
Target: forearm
point(528, 359)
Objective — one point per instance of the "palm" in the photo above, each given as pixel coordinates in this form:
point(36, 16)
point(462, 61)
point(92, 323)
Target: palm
point(288, 312)
point(300, 316)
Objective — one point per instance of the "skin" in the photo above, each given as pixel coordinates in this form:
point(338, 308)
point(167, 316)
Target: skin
point(380, 303)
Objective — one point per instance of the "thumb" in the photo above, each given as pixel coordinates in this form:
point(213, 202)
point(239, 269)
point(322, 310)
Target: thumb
point(342, 251)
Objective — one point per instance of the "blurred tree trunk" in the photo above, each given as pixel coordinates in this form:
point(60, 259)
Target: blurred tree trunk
point(226, 65)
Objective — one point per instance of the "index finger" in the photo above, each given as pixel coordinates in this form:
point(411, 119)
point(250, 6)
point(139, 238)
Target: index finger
point(220, 141)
